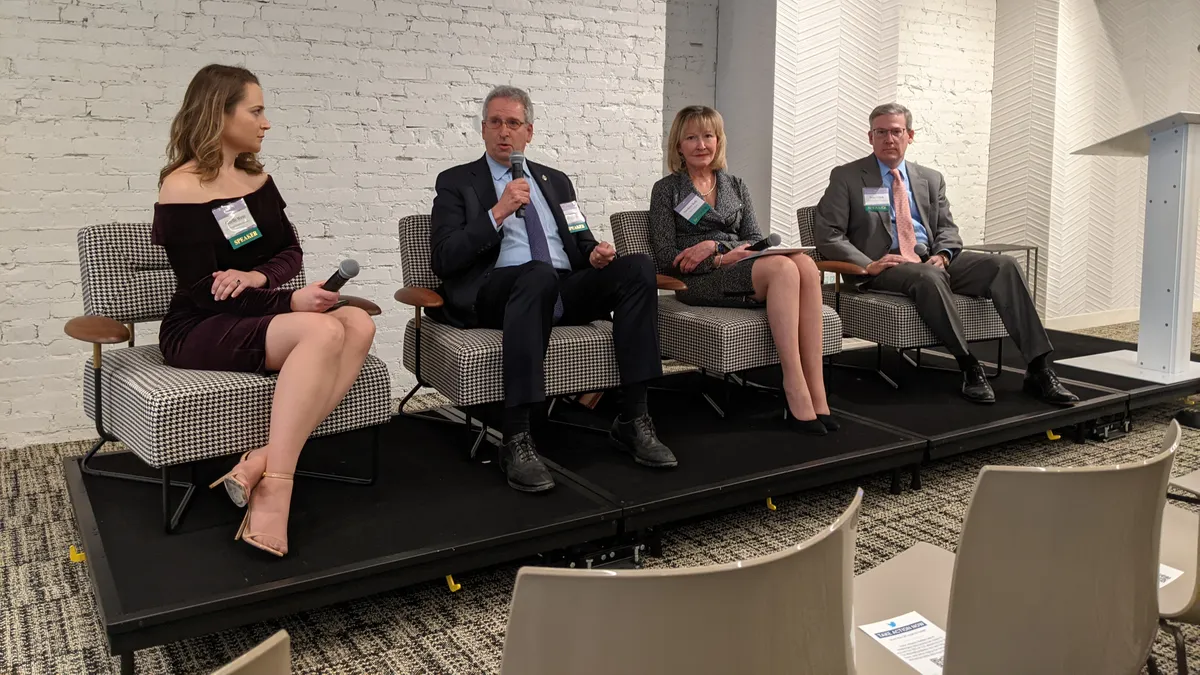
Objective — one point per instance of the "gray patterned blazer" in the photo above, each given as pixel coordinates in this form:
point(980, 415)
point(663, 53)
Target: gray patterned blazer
point(730, 222)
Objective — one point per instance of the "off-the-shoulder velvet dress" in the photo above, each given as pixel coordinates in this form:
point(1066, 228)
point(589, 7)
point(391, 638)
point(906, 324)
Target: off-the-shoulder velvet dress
point(200, 332)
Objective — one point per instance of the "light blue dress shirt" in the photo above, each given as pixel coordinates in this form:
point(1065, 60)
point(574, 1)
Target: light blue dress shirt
point(514, 242)
point(918, 226)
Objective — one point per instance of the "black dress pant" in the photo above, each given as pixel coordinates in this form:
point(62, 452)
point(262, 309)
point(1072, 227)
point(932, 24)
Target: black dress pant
point(997, 277)
point(520, 301)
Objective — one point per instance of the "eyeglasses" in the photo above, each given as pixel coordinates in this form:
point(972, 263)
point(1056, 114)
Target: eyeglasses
point(884, 133)
point(513, 125)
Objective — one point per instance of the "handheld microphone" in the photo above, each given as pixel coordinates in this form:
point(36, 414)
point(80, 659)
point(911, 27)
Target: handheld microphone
point(347, 270)
point(921, 250)
point(767, 242)
point(518, 171)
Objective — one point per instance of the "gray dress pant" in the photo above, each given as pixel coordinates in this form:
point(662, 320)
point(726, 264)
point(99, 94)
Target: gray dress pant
point(997, 277)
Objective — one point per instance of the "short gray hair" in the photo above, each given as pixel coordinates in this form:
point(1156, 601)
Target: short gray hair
point(513, 93)
point(891, 109)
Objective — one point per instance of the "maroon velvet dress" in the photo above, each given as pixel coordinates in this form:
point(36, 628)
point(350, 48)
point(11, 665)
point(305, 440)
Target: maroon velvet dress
point(200, 332)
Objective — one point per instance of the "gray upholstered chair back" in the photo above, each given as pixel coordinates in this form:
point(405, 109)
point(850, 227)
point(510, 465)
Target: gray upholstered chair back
point(416, 253)
point(124, 276)
point(806, 219)
point(631, 233)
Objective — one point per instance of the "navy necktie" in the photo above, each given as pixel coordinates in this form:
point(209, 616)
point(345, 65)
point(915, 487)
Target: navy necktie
point(539, 248)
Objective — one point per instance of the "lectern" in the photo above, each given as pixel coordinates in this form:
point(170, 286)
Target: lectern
point(1168, 251)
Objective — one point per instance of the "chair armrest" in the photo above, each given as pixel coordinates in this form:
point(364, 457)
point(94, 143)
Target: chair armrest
point(839, 267)
point(666, 283)
point(418, 297)
point(98, 330)
point(362, 303)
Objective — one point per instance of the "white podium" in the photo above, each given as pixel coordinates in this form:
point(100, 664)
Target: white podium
point(1168, 251)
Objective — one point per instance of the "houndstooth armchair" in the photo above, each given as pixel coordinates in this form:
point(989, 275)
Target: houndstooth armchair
point(167, 416)
point(466, 366)
point(721, 340)
point(891, 320)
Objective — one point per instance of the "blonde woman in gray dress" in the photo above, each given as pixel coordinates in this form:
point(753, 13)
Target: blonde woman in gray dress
point(707, 250)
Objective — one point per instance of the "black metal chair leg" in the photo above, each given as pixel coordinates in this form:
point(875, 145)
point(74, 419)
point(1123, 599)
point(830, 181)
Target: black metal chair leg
point(1152, 665)
point(1181, 663)
point(999, 359)
point(171, 521)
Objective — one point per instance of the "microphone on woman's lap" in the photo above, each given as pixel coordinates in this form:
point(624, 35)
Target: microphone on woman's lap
point(766, 242)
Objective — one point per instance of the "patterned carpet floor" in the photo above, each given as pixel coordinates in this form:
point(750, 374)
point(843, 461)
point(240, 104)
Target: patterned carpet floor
point(48, 622)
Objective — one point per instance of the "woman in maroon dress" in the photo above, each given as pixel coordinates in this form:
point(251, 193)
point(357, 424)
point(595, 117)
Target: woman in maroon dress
point(222, 222)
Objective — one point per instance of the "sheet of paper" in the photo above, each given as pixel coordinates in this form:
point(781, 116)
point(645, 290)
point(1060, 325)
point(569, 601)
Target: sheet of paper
point(1167, 574)
point(912, 638)
point(778, 250)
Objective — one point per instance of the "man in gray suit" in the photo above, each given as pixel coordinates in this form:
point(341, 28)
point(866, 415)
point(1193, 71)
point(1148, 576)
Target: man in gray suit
point(891, 217)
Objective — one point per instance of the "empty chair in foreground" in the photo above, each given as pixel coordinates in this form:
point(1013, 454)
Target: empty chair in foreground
point(785, 612)
point(1179, 598)
point(272, 656)
point(1056, 572)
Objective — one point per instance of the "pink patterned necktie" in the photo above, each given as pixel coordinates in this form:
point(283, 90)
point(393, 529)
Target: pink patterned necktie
point(906, 237)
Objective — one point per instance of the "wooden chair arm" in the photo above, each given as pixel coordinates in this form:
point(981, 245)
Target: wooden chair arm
point(364, 304)
point(418, 297)
point(98, 330)
point(666, 283)
point(840, 267)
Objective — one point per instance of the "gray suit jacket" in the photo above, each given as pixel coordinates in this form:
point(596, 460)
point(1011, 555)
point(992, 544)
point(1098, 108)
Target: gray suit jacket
point(847, 232)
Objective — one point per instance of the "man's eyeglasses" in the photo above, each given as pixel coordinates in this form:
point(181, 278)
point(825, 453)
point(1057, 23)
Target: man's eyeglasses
point(496, 122)
point(884, 133)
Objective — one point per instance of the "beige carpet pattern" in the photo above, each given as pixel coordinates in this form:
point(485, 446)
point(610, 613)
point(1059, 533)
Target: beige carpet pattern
point(48, 622)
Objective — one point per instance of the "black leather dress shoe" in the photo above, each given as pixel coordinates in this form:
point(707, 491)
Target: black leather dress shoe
point(1045, 385)
point(976, 388)
point(639, 439)
point(523, 467)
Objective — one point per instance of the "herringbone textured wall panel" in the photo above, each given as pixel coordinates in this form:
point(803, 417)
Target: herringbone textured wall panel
point(1070, 73)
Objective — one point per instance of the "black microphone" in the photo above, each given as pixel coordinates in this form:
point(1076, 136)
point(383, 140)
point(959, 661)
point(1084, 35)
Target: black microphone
point(768, 241)
point(347, 270)
point(921, 250)
point(518, 171)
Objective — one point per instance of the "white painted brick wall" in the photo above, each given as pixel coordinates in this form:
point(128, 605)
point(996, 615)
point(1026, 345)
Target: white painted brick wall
point(369, 98)
point(689, 77)
point(945, 78)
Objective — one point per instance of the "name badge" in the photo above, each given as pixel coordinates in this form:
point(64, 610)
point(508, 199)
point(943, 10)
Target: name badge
point(236, 223)
point(693, 207)
point(576, 223)
point(876, 199)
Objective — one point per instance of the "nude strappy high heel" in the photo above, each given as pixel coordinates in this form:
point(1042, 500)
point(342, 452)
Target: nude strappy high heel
point(239, 492)
point(253, 538)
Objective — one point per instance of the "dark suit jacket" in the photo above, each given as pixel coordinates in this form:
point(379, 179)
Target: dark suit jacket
point(847, 232)
point(464, 243)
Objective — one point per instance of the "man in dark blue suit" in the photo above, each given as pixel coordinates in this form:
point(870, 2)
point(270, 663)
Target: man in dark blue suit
point(518, 255)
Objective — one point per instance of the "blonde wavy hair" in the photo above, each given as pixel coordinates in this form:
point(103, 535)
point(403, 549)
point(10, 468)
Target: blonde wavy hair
point(196, 131)
point(706, 117)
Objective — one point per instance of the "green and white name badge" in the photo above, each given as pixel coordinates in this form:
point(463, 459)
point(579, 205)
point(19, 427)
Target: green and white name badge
point(236, 223)
point(876, 199)
point(576, 223)
point(693, 207)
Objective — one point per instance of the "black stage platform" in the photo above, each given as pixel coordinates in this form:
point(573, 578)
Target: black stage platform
point(432, 512)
